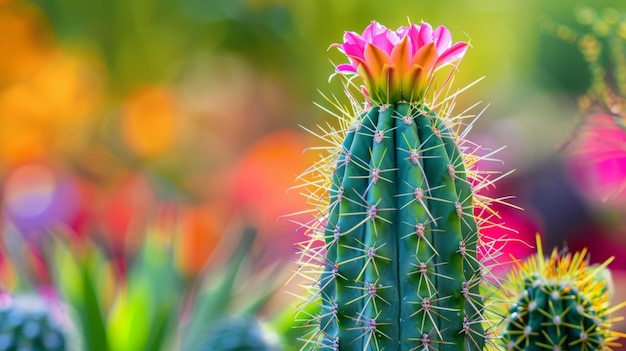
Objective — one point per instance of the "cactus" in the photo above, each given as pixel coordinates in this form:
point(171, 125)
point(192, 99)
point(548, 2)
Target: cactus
point(396, 245)
point(28, 323)
point(559, 303)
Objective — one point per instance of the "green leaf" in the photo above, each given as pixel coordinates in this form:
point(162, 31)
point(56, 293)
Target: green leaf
point(94, 327)
point(214, 301)
point(146, 305)
point(80, 282)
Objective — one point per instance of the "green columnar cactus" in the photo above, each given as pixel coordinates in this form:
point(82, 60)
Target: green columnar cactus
point(399, 254)
point(558, 303)
point(27, 323)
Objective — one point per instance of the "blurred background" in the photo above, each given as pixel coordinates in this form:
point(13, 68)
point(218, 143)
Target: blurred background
point(118, 117)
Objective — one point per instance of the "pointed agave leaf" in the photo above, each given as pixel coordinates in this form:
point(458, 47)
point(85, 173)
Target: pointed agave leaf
point(129, 321)
point(263, 286)
point(166, 287)
point(163, 323)
point(215, 300)
point(147, 305)
point(75, 279)
point(90, 313)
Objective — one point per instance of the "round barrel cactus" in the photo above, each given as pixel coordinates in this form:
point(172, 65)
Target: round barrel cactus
point(558, 303)
point(28, 323)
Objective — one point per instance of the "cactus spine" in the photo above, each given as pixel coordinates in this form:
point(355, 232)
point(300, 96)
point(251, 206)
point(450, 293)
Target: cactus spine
point(399, 257)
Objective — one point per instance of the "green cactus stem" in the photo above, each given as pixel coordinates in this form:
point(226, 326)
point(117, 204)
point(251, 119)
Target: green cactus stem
point(401, 238)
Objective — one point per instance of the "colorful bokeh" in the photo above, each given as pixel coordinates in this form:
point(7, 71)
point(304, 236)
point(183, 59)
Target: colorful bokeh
point(180, 122)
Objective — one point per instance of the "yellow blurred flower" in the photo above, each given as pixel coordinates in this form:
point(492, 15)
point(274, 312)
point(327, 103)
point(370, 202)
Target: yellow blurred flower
point(48, 95)
point(150, 121)
point(51, 111)
point(24, 41)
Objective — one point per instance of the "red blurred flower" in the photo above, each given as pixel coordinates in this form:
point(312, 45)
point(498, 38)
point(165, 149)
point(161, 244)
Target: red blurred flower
point(260, 186)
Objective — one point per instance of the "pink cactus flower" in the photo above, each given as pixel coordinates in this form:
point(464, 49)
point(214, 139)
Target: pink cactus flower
point(398, 65)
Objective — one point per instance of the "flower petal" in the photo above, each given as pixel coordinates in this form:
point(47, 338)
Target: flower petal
point(353, 38)
point(375, 57)
point(373, 32)
point(385, 85)
point(353, 50)
point(400, 61)
point(368, 77)
point(409, 83)
point(426, 57)
point(380, 36)
point(425, 34)
point(442, 39)
point(455, 53)
point(391, 42)
point(365, 69)
point(402, 32)
point(401, 55)
point(346, 67)
point(413, 33)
